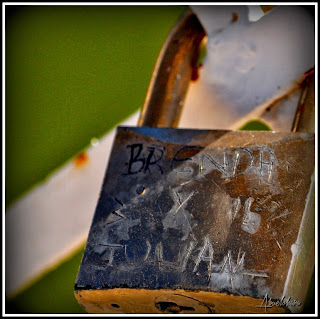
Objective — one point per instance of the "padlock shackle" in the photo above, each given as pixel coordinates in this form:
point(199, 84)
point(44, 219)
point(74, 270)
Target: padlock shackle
point(304, 119)
point(172, 74)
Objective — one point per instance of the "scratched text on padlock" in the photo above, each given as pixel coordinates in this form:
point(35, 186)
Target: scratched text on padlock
point(170, 237)
point(146, 158)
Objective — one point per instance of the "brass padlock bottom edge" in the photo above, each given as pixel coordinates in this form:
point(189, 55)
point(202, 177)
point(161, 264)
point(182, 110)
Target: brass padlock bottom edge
point(171, 301)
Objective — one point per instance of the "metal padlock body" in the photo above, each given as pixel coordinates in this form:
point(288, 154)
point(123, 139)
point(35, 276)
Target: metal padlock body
point(198, 221)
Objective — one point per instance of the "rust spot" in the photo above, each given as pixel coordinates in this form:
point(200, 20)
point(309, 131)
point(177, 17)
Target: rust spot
point(195, 72)
point(81, 159)
point(301, 108)
point(235, 17)
point(309, 72)
point(266, 9)
point(307, 77)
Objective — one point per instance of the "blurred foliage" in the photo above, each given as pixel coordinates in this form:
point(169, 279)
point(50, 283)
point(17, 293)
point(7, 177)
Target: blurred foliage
point(255, 125)
point(72, 73)
point(202, 52)
point(53, 293)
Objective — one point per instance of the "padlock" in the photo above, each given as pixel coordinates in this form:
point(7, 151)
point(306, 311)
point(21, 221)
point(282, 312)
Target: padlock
point(199, 221)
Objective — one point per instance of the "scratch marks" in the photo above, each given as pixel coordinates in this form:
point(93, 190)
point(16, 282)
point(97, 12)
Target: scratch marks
point(231, 161)
point(112, 245)
point(179, 264)
point(232, 269)
point(285, 213)
point(255, 274)
point(187, 256)
point(278, 244)
point(115, 230)
point(148, 250)
point(267, 163)
point(236, 204)
point(232, 274)
point(251, 220)
point(119, 221)
point(205, 254)
point(112, 248)
point(178, 217)
point(159, 254)
point(236, 163)
point(114, 217)
point(273, 228)
point(118, 201)
point(184, 201)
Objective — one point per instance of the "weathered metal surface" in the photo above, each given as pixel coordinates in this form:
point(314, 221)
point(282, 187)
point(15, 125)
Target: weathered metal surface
point(166, 301)
point(216, 211)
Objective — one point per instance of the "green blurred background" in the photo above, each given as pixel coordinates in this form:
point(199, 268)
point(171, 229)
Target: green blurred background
point(72, 73)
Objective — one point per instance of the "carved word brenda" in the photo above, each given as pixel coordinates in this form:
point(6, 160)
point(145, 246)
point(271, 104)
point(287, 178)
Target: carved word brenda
point(231, 162)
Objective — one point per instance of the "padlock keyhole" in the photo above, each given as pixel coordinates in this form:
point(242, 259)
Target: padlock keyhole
point(172, 307)
point(114, 305)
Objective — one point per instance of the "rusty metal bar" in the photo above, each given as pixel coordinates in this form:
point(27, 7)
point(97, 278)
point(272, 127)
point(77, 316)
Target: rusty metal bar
point(172, 74)
point(304, 120)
